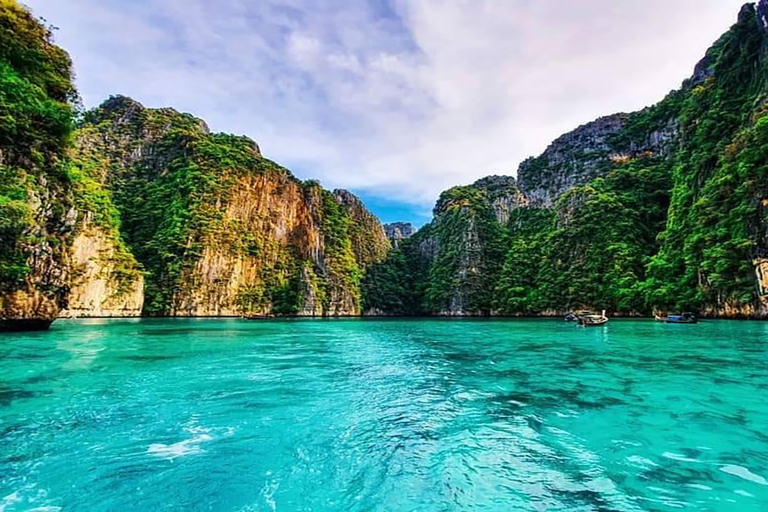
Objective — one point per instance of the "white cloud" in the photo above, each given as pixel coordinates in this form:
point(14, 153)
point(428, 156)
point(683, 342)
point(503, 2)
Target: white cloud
point(401, 99)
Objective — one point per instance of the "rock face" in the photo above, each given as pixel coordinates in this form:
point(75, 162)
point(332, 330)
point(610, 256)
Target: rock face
point(36, 302)
point(218, 229)
point(282, 213)
point(762, 14)
point(398, 231)
point(449, 266)
point(573, 159)
point(466, 245)
point(36, 214)
point(586, 153)
point(504, 195)
point(103, 282)
point(370, 242)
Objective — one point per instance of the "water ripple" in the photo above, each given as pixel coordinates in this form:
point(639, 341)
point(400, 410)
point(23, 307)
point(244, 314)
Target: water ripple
point(384, 416)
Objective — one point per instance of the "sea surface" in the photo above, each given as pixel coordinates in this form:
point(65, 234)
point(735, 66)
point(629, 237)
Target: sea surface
point(384, 415)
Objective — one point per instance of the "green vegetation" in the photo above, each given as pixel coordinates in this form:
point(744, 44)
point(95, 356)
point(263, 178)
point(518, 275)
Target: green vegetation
point(675, 229)
point(173, 203)
point(591, 249)
point(398, 285)
point(718, 183)
point(168, 214)
point(182, 197)
point(415, 279)
point(87, 172)
point(341, 268)
point(36, 95)
point(473, 245)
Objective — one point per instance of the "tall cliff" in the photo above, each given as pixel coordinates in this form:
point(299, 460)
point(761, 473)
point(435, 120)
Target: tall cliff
point(36, 209)
point(449, 267)
point(713, 245)
point(105, 280)
point(211, 227)
point(664, 208)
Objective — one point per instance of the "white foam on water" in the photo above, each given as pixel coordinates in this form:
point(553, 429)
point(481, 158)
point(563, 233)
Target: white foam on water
point(268, 493)
point(27, 495)
point(10, 500)
point(678, 457)
point(641, 461)
point(744, 473)
point(182, 448)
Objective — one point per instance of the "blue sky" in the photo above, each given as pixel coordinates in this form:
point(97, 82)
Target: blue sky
point(396, 100)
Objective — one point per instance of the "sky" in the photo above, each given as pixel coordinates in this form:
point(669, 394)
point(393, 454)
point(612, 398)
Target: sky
point(396, 100)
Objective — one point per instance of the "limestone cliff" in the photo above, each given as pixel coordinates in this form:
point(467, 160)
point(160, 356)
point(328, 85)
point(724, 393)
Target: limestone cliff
point(449, 267)
point(103, 279)
point(369, 238)
point(36, 214)
point(503, 194)
point(588, 152)
point(220, 230)
point(466, 245)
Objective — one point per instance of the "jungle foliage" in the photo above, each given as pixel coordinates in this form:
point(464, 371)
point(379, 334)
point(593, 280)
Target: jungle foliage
point(36, 119)
point(673, 231)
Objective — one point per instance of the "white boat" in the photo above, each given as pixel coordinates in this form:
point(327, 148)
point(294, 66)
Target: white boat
point(593, 320)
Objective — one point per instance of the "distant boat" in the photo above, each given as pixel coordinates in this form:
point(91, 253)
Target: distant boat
point(587, 319)
point(573, 316)
point(257, 317)
point(685, 318)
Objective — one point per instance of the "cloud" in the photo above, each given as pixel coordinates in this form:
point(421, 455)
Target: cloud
point(393, 98)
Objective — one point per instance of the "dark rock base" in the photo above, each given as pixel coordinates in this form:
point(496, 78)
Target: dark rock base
point(24, 324)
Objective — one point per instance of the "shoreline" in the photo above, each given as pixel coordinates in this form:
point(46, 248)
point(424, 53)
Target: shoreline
point(36, 325)
point(394, 317)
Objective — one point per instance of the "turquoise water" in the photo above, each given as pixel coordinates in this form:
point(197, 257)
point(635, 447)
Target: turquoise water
point(422, 415)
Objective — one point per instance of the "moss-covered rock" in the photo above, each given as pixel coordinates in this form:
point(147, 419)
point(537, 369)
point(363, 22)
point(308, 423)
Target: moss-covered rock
point(219, 229)
point(664, 208)
point(36, 205)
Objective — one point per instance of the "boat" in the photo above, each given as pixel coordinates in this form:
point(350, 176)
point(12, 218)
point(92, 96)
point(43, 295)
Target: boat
point(573, 316)
point(25, 324)
point(257, 317)
point(684, 318)
point(592, 320)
